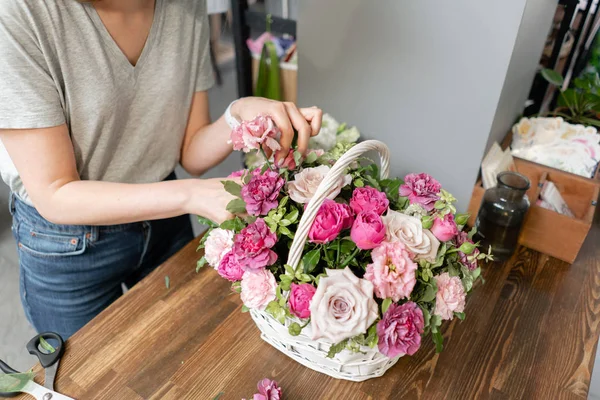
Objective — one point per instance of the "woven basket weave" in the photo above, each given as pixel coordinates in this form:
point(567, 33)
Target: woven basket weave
point(369, 363)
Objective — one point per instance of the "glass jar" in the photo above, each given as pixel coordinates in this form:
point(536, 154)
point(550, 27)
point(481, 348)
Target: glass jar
point(501, 214)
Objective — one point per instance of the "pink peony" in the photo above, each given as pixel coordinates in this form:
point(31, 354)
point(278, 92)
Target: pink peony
point(461, 238)
point(421, 189)
point(331, 218)
point(444, 229)
point(392, 271)
point(251, 135)
point(400, 330)
point(260, 194)
point(450, 297)
point(218, 243)
point(258, 288)
point(238, 174)
point(368, 199)
point(252, 246)
point(368, 230)
point(287, 162)
point(230, 268)
point(300, 297)
point(268, 390)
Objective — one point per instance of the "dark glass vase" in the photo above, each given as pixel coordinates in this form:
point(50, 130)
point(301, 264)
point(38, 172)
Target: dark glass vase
point(501, 214)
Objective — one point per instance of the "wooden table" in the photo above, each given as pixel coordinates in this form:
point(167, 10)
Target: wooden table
point(530, 333)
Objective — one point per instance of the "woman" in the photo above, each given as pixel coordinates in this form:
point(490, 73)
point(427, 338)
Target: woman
point(99, 101)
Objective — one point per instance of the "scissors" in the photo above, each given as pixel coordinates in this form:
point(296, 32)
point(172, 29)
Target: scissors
point(50, 363)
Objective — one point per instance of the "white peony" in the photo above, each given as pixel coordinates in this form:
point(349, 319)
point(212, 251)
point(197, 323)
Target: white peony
point(350, 135)
point(409, 231)
point(218, 243)
point(342, 307)
point(305, 184)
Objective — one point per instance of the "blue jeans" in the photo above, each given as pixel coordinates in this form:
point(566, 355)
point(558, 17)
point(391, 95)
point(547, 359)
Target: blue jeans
point(70, 273)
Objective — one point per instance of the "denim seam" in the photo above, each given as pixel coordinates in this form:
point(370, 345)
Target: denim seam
point(148, 235)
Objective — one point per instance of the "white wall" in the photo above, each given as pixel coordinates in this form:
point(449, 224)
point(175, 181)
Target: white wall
point(424, 76)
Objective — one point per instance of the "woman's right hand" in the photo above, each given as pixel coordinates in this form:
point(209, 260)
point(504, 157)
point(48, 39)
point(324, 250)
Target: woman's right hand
point(210, 199)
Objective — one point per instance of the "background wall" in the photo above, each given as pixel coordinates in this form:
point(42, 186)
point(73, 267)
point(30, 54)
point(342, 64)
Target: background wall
point(424, 76)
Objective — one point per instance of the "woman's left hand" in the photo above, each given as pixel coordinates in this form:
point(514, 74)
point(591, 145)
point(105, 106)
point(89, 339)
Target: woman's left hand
point(287, 116)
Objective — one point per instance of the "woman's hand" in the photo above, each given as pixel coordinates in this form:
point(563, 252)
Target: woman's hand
point(209, 199)
point(287, 117)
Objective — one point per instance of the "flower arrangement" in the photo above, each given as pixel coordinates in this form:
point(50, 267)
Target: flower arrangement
point(386, 260)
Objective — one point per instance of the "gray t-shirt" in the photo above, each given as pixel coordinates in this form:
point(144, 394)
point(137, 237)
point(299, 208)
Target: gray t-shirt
point(59, 64)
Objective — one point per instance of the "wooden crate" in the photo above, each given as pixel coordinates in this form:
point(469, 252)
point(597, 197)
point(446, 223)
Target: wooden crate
point(544, 230)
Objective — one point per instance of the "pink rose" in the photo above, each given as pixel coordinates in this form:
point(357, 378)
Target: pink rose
point(230, 268)
point(252, 246)
point(400, 330)
point(450, 297)
point(268, 390)
point(258, 288)
point(218, 243)
point(331, 219)
point(444, 229)
point(392, 271)
point(306, 182)
point(368, 230)
point(421, 189)
point(251, 135)
point(260, 194)
point(368, 199)
point(300, 297)
point(287, 162)
point(238, 174)
point(469, 261)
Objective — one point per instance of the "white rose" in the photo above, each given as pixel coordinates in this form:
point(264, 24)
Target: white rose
point(306, 182)
point(409, 231)
point(218, 243)
point(342, 307)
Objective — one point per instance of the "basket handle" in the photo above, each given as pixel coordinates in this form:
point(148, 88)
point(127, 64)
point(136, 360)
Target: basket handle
point(332, 177)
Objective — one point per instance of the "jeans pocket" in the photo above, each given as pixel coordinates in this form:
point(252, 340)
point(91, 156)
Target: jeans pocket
point(50, 244)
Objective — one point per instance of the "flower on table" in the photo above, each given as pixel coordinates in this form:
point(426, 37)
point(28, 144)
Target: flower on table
point(342, 307)
point(392, 271)
point(218, 243)
point(468, 260)
point(421, 189)
point(251, 135)
point(368, 230)
point(368, 199)
point(450, 297)
point(252, 246)
point(300, 297)
point(400, 330)
point(261, 193)
point(409, 230)
point(268, 390)
point(306, 182)
point(331, 219)
point(444, 228)
point(258, 288)
point(230, 268)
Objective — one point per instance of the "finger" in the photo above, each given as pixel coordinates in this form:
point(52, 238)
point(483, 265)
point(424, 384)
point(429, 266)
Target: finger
point(314, 116)
point(299, 122)
point(282, 120)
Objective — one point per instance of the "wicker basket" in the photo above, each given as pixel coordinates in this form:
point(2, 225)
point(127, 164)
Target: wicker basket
point(369, 363)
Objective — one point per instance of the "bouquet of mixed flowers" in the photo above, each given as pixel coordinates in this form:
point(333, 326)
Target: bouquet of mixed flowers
point(384, 263)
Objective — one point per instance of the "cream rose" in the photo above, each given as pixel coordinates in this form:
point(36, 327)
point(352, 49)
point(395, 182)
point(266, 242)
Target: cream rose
point(342, 307)
point(305, 184)
point(409, 231)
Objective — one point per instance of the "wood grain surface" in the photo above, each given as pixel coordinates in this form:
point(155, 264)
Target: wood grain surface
point(530, 333)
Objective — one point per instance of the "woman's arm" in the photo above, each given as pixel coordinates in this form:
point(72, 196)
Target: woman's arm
point(46, 165)
point(205, 144)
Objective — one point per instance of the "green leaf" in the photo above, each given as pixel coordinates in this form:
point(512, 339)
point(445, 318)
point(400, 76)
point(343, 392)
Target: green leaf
point(233, 188)
point(372, 181)
point(285, 231)
point(460, 315)
point(294, 329)
point(336, 348)
point(46, 346)
point(467, 247)
point(426, 316)
point(292, 216)
point(359, 182)
point(311, 158)
point(13, 383)
point(297, 157)
point(427, 221)
point(286, 282)
point(452, 270)
point(236, 206)
point(435, 321)
point(429, 294)
point(236, 287)
point(201, 263)
point(472, 233)
point(476, 273)
point(289, 269)
point(438, 339)
point(236, 224)
point(276, 311)
point(167, 281)
point(553, 77)
point(372, 337)
point(310, 260)
point(347, 246)
point(385, 305)
point(207, 222)
point(245, 309)
point(285, 222)
point(283, 202)
point(439, 205)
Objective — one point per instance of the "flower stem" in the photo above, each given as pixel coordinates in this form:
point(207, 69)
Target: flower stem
point(265, 156)
point(348, 259)
point(339, 249)
point(304, 326)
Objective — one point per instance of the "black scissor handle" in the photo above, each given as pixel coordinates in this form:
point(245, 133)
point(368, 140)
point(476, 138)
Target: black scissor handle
point(46, 360)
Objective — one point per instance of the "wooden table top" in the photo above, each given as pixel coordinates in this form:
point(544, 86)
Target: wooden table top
point(530, 333)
